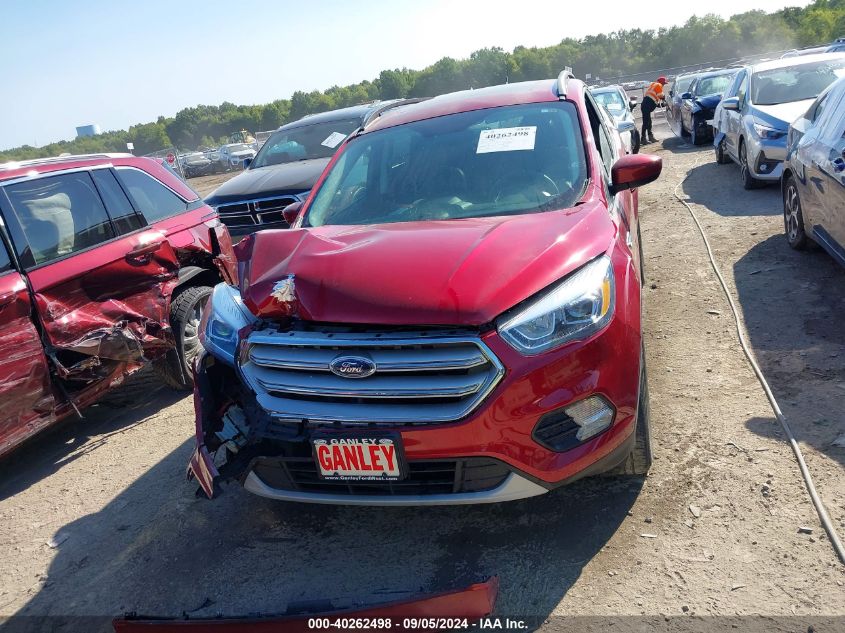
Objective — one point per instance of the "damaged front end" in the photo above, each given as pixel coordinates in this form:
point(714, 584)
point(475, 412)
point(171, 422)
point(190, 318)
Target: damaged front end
point(232, 430)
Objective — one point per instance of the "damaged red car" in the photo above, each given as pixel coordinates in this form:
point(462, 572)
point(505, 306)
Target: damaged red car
point(454, 317)
point(106, 262)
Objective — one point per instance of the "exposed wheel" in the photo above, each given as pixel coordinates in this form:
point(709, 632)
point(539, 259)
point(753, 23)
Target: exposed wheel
point(748, 181)
point(185, 314)
point(639, 460)
point(793, 218)
point(635, 142)
point(722, 157)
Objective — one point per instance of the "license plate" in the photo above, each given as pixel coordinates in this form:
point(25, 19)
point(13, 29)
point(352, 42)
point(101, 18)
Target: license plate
point(359, 457)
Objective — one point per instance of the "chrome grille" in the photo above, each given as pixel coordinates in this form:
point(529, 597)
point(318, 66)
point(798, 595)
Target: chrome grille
point(420, 377)
point(255, 212)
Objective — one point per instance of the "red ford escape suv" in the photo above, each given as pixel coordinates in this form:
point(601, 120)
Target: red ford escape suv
point(453, 318)
point(105, 263)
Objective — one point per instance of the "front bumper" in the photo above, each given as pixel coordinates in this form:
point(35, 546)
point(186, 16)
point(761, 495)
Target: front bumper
point(500, 429)
point(765, 157)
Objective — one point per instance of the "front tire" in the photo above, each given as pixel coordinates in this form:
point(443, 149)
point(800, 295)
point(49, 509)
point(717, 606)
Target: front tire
point(640, 458)
point(175, 368)
point(722, 157)
point(748, 181)
point(793, 217)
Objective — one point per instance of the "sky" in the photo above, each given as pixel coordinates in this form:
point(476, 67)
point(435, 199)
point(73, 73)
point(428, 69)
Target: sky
point(117, 63)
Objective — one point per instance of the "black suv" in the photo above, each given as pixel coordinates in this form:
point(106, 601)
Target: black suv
point(287, 166)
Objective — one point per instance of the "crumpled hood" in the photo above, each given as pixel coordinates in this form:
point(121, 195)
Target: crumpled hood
point(708, 102)
point(448, 272)
point(277, 179)
point(780, 115)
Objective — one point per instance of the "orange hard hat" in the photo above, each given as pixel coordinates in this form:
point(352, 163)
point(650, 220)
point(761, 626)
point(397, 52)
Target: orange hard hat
point(661, 80)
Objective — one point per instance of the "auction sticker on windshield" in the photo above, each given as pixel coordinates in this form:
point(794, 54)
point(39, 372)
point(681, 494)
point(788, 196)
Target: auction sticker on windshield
point(506, 139)
point(333, 140)
point(358, 458)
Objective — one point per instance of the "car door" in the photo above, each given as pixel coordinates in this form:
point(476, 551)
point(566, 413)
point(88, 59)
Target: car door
point(623, 204)
point(733, 118)
point(813, 188)
point(26, 392)
point(828, 158)
point(686, 107)
point(101, 279)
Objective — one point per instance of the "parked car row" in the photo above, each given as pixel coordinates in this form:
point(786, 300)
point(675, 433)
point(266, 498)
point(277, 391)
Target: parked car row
point(784, 121)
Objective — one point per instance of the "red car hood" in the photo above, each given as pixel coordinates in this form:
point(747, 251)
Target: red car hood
point(446, 272)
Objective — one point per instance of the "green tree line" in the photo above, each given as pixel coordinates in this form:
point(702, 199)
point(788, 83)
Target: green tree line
point(624, 52)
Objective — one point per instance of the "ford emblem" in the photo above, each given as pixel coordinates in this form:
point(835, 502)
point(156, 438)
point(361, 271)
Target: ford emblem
point(352, 367)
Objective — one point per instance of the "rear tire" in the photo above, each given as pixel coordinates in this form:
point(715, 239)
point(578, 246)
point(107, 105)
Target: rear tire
point(793, 218)
point(175, 368)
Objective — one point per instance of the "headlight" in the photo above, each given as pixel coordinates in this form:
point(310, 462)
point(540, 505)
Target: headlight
point(224, 316)
point(574, 310)
point(764, 131)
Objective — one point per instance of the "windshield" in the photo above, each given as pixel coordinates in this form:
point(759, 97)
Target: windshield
point(795, 83)
point(714, 85)
point(319, 140)
point(497, 161)
point(611, 100)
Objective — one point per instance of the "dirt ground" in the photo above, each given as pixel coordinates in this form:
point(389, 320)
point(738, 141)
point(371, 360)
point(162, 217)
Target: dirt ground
point(96, 518)
point(204, 185)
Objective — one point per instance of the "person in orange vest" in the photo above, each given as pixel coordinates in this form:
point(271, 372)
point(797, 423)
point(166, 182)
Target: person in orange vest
point(653, 97)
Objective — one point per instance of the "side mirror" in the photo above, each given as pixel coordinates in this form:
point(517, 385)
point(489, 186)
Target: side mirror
point(686, 95)
point(247, 162)
point(731, 103)
point(634, 170)
point(625, 126)
point(632, 103)
point(291, 212)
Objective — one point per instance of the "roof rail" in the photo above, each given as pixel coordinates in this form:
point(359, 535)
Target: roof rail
point(16, 164)
point(562, 84)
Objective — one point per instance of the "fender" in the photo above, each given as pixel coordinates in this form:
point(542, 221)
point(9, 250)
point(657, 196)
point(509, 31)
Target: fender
point(186, 273)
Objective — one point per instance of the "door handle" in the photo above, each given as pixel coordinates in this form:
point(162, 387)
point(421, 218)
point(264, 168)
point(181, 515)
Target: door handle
point(144, 252)
point(7, 298)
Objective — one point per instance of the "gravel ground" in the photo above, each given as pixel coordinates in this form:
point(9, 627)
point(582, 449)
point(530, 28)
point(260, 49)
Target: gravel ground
point(96, 518)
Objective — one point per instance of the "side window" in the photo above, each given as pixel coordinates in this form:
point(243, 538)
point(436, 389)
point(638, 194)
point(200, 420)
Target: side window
point(732, 89)
point(605, 148)
point(5, 260)
point(120, 209)
point(602, 139)
point(149, 196)
point(60, 215)
point(743, 89)
point(816, 113)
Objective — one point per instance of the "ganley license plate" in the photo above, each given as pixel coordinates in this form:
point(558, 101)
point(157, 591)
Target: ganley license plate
point(358, 458)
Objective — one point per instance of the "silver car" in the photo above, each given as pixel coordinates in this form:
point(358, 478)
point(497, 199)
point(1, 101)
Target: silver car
point(814, 175)
point(751, 122)
point(620, 106)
